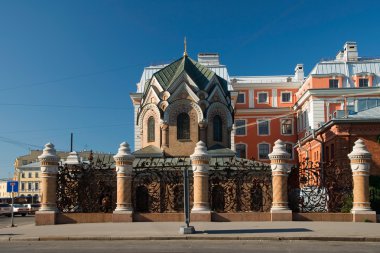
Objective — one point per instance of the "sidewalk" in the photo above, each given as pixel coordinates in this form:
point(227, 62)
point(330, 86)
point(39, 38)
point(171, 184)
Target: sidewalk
point(325, 231)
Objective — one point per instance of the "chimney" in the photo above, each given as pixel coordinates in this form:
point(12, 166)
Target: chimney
point(350, 51)
point(299, 73)
point(208, 58)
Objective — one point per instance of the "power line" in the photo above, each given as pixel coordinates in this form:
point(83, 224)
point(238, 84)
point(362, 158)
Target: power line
point(68, 128)
point(71, 77)
point(68, 106)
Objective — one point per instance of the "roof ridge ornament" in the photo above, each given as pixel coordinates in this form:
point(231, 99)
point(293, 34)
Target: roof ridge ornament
point(185, 47)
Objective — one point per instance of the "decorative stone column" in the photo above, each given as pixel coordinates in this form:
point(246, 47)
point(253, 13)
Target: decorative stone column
point(360, 165)
point(124, 162)
point(200, 163)
point(164, 130)
point(280, 170)
point(49, 170)
point(203, 130)
point(232, 141)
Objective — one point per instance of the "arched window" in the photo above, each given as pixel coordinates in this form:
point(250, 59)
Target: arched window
point(183, 126)
point(217, 128)
point(150, 129)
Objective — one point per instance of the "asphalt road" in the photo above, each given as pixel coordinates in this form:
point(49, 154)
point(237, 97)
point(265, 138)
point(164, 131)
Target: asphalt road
point(209, 246)
point(18, 220)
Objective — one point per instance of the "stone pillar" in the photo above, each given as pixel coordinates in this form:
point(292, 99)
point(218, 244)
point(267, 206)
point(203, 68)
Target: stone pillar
point(200, 163)
point(124, 165)
point(49, 169)
point(164, 131)
point(203, 130)
point(233, 131)
point(280, 170)
point(360, 165)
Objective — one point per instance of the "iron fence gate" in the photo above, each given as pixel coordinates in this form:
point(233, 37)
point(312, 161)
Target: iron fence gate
point(157, 184)
point(320, 187)
point(239, 185)
point(83, 187)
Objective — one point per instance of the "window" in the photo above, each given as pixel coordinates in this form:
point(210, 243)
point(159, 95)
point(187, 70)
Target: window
point(286, 126)
point(36, 175)
point(23, 186)
point(241, 151)
point(36, 186)
point(333, 83)
point(263, 126)
point(183, 126)
point(30, 175)
point(289, 149)
point(363, 82)
point(217, 128)
point(241, 98)
point(262, 97)
point(29, 186)
point(151, 129)
point(286, 97)
point(24, 162)
point(263, 151)
point(240, 127)
point(23, 175)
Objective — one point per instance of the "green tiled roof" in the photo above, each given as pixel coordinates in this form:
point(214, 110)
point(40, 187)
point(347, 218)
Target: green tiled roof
point(200, 74)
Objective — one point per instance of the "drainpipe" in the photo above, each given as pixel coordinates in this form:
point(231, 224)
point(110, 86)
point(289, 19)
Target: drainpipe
point(322, 146)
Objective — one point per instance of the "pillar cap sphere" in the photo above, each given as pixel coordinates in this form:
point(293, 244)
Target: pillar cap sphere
point(359, 151)
point(279, 151)
point(49, 153)
point(124, 152)
point(200, 150)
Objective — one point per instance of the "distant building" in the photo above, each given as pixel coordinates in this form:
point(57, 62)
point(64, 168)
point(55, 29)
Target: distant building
point(3, 188)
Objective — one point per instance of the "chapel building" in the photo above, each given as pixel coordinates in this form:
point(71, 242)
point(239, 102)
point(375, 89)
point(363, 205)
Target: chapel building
point(182, 103)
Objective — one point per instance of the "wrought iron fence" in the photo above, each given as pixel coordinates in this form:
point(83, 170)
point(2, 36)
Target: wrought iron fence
point(320, 187)
point(239, 185)
point(157, 185)
point(82, 187)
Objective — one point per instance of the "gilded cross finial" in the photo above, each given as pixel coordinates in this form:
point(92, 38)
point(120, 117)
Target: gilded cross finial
point(185, 45)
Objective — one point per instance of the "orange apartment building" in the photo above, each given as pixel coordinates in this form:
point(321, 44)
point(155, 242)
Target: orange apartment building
point(264, 114)
point(338, 103)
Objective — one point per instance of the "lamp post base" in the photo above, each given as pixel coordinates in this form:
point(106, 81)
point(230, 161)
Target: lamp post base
point(184, 230)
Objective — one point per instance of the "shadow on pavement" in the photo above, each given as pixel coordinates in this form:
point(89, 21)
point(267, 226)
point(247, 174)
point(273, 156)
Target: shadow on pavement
point(254, 231)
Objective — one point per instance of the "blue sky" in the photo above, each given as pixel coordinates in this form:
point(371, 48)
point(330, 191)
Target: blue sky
point(69, 66)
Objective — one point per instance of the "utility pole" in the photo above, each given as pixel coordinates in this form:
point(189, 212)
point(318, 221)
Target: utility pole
point(71, 142)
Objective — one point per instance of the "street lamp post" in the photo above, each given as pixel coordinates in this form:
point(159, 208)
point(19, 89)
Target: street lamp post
point(186, 197)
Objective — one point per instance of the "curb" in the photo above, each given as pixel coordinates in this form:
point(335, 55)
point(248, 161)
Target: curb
point(189, 238)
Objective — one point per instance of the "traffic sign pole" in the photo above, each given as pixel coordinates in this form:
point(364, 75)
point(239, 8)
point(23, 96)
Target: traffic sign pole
point(13, 195)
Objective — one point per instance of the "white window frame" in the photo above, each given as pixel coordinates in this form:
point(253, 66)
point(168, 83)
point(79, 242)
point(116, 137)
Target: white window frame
point(258, 97)
point(246, 148)
point(283, 119)
point(258, 150)
point(242, 93)
point(245, 126)
point(292, 154)
point(258, 127)
point(290, 97)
